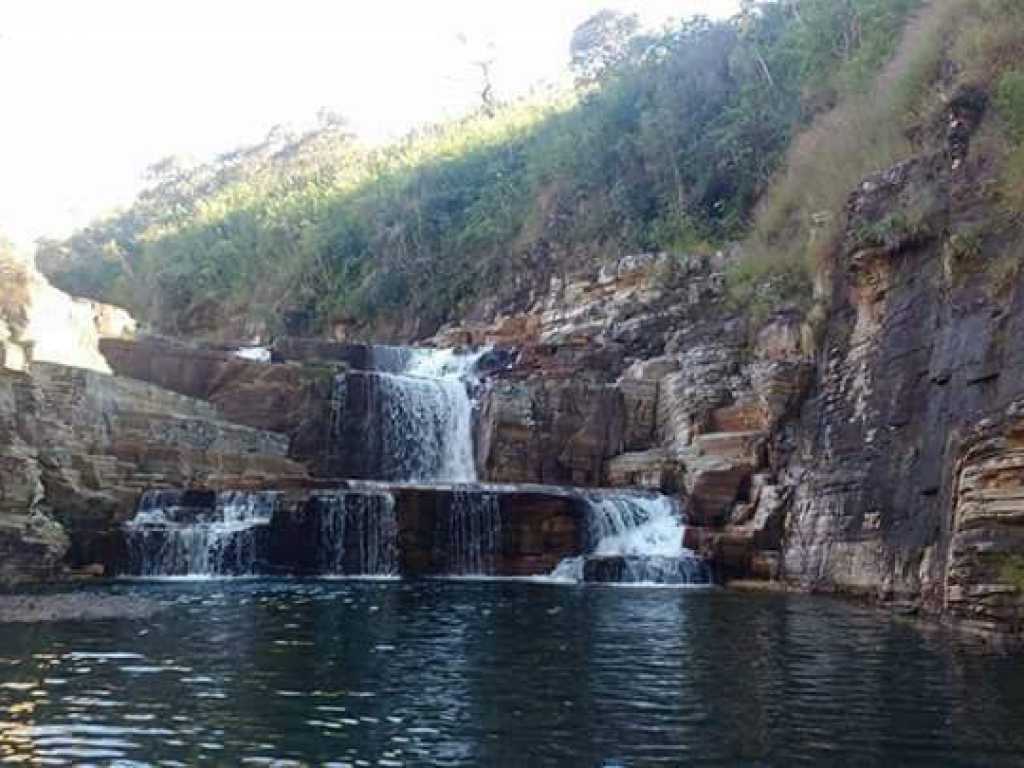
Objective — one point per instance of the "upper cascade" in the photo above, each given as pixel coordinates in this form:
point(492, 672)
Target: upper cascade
point(415, 418)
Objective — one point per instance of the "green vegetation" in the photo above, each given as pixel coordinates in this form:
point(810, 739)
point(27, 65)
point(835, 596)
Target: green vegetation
point(795, 233)
point(1011, 571)
point(1010, 100)
point(668, 142)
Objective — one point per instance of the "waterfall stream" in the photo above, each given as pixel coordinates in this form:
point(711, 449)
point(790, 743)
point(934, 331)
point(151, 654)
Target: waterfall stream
point(404, 430)
point(474, 533)
point(182, 533)
point(414, 412)
point(634, 538)
point(356, 534)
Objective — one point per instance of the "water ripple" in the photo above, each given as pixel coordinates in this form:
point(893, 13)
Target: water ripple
point(497, 673)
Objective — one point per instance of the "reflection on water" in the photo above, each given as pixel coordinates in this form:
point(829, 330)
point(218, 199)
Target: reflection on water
point(492, 673)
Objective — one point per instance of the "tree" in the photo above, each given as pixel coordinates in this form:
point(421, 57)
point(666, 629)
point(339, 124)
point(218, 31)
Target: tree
point(482, 59)
point(600, 44)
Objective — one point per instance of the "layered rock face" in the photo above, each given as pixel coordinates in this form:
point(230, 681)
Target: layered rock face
point(906, 455)
point(85, 445)
point(31, 543)
point(985, 572)
point(645, 376)
point(293, 398)
point(78, 446)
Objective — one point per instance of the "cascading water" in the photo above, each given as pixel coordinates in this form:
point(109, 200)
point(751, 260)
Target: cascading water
point(634, 538)
point(415, 412)
point(200, 534)
point(409, 420)
point(474, 533)
point(357, 534)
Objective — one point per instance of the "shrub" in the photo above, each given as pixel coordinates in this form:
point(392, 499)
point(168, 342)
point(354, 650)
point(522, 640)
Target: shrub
point(1010, 101)
point(802, 214)
point(1011, 571)
point(671, 150)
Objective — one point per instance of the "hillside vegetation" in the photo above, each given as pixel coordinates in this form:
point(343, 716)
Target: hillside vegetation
point(753, 129)
point(950, 47)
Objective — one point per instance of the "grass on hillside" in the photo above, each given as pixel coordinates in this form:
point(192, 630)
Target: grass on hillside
point(799, 220)
point(672, 151)
point(801, 216)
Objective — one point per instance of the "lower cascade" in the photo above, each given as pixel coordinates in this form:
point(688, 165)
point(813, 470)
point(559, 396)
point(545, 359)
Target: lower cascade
point(634, 538)
point(474, 533)
point(200, 533)
point(355, 534)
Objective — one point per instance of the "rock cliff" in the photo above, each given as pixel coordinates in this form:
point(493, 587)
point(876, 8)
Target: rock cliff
point(875, 454)
point(78, 445)
point(877, 451)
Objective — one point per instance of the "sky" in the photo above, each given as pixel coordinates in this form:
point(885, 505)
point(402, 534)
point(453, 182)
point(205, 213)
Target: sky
point(95, 91)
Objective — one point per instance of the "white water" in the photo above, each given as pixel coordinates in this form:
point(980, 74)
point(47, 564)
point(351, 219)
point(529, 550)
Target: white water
point(635, 524)
point(474, 533)
point(427, 417)
point(167, 537)
point(645, 530)
point(358, 535)
point(254, 354)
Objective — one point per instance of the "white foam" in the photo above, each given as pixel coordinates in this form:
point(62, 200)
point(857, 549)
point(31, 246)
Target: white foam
point(255, 354)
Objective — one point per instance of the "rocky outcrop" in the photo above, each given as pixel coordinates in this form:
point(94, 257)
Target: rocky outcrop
point(985, 570)
point(643, 375)
point(78, 446)
point(293, 399)
point(904, 468)
point(551, 431)
point(91, 443)
point(31, 543)
point(38, 323)
point(48, 325)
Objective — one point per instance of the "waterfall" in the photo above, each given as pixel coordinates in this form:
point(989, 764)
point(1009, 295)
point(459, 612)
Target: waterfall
point(426, 429)
point(634, 538)
point(356, 534)
point(254, 354)
point(178, 533)
point(474, 533)
point(410, 420)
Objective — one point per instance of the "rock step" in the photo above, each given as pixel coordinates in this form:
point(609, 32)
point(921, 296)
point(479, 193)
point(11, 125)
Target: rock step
point(745, 446)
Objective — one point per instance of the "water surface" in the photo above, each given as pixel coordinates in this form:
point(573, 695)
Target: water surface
point(499, 673)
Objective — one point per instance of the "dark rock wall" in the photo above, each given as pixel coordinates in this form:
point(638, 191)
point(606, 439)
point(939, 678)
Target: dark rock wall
point(922, 348)
point(536, 530)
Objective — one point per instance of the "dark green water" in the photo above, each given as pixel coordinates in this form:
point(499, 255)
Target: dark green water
point(518, 674)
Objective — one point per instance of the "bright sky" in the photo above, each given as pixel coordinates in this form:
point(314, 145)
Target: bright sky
point(94, 91)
